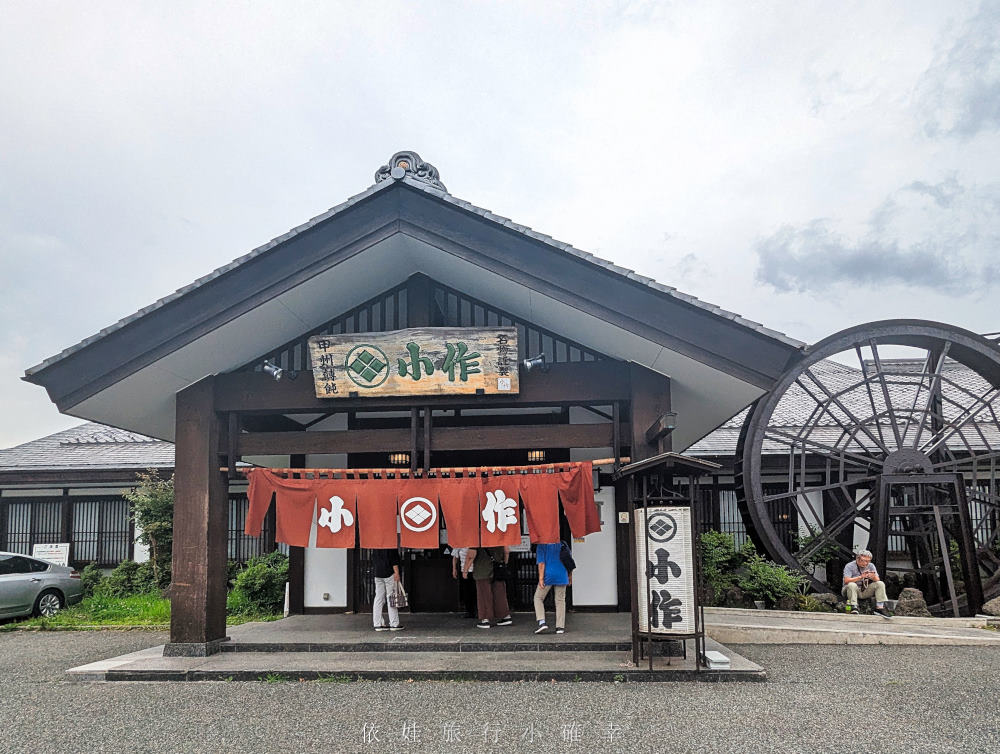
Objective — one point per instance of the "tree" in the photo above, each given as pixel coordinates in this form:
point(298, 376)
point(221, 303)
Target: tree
point(152, 501)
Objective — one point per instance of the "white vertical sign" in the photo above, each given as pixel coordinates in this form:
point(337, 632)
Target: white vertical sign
point(665, 570)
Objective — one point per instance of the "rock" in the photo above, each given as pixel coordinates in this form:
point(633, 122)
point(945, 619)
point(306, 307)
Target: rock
point(786, 603)
point(734, 597)
point(992, 607)
point(827, 599)
point(911, 603)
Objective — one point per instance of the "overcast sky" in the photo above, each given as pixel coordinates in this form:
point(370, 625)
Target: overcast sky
point(810, 165)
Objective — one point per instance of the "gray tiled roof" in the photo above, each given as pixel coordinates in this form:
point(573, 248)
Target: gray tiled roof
point(796, 408)
point(443, 195)
point(89, 446)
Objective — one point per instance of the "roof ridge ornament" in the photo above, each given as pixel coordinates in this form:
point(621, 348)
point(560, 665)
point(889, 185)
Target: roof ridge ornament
point(409, 163)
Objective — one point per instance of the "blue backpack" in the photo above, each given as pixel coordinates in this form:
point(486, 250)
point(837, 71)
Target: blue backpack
point(566, 557)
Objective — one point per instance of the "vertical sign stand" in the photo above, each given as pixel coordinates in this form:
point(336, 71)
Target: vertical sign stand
point(663, 563)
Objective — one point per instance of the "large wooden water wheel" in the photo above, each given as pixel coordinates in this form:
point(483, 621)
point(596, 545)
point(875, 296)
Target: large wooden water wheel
point(884, 437)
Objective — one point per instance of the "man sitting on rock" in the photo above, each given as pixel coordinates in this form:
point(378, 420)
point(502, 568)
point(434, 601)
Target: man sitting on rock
point(861, 580)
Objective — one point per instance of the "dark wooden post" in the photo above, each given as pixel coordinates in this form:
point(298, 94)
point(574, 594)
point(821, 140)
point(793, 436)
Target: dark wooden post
point(198, 590)
point(4, 513)
point(296, 560)
point(66, 524)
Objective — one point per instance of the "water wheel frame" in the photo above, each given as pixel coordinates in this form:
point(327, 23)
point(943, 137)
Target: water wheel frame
point(937, 436)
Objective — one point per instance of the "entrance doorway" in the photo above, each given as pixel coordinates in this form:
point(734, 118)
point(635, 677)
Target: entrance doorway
point(427, 574)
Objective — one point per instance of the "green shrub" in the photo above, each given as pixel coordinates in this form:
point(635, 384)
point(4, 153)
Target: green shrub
point(233, 568)
point(808, 603)
point(90, 577)
point(761, 579)
point(826, 551)
point(260, 587)
point(719, 561)
point(129, 578)
point(747, 551)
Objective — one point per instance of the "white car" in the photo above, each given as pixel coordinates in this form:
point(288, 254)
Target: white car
point(29, 586)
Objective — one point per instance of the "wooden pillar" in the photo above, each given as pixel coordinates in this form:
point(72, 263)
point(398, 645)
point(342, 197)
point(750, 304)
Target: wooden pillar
point(4, 513)
point(198, 589)
point(66, 524)
point(296, 561)
point(623, 543)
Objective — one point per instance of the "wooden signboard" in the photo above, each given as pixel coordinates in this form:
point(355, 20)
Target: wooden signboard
point(664, 560)
point(419, 361)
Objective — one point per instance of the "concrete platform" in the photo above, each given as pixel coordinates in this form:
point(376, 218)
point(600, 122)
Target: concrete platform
point(597, 647)
point(736, 626)
point(432, 647)
point(151, 665)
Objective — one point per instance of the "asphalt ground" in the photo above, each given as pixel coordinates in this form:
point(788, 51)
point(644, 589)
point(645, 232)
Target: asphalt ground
point(818, 699)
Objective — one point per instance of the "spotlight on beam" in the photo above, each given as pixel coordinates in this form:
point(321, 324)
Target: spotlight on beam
point(277, 373)
point(535, 362)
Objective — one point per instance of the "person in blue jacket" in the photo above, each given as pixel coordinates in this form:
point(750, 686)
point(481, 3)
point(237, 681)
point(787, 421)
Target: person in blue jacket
point(552, 574)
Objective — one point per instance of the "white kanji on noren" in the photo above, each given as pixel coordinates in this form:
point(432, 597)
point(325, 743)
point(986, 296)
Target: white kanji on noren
point(500, 511)
point(336, 516)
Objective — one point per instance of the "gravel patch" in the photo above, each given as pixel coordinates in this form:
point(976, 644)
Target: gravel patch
point(921, 699)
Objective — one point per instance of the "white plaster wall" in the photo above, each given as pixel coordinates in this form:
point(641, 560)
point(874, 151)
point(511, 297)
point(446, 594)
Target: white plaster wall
point(141, 551)
point(325, 568)
point(325, 574)
point(595, 581)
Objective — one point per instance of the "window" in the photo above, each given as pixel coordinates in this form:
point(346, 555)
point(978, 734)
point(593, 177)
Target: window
point(98, 527)
point(14, 564)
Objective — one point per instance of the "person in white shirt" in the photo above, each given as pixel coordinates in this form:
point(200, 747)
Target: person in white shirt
point(861, 581)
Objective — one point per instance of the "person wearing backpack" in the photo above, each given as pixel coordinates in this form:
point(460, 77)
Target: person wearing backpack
point(553, 573)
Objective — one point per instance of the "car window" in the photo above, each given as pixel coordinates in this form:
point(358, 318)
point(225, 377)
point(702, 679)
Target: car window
point(37, 566)
point(13, 564)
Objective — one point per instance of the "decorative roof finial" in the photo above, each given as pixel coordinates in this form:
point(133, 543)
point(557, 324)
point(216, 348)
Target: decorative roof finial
point(409, 163)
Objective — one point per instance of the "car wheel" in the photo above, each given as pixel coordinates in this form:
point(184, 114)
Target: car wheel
point(48, 603)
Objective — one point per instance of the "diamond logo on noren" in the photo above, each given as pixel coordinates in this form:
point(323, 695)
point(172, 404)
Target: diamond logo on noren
point(418, 515)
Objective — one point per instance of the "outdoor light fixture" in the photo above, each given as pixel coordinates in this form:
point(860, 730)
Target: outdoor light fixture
point(277, 372)
point(399, 459)
point(536, 456)
point(535, 362)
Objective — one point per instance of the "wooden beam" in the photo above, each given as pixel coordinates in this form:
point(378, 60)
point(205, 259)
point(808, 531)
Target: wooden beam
point(201, 510)
point(650, 396)
point(524, 436)
point(346, 441)
point(662, 427)
point(272, 423)
point(593, 382)
point(443, 438)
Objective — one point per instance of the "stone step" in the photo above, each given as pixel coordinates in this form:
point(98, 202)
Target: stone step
point(723, 613)
point(403, 666)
